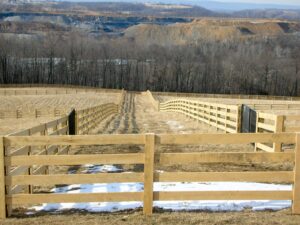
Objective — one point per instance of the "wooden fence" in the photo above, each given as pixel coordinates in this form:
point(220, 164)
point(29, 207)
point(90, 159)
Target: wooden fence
point(55, 127)
point(34, 113)
point(149, 158)
point(45, 89)
point(271, 123)
point(203, 95)
point(221, 116)
point(87, 119)
point(274, 106)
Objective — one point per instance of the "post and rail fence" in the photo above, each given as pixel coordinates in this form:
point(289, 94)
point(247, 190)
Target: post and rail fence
point(221, 116)
point(271, 123)
point(149, 158)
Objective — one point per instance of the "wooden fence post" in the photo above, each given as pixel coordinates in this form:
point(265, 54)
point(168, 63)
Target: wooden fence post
point(148, 173)
point(256, 130)
point(2, 181)
point(296, 187)
point(279, 123)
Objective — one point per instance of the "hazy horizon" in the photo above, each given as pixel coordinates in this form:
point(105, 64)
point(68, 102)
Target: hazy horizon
point(254, 2)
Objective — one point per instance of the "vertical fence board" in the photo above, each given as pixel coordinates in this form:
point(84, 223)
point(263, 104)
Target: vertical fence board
point(2, 181)
point(296, 187)
point(148, 173)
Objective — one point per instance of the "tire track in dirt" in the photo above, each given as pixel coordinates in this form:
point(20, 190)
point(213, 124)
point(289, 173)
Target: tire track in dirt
point(125, 122)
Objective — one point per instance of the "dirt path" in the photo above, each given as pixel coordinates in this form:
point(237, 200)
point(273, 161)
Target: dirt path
point(138, 116)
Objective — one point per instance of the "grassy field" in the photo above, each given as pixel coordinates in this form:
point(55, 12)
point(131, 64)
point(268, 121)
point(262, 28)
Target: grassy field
point(27, 103)
point(66, 101)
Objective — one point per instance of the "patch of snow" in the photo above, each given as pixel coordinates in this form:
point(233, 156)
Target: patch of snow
point(211, 205)
point(174, 125)
point(101, 168)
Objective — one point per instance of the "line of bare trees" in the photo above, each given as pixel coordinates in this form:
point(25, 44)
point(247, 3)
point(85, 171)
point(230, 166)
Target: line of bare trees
point(257, 66)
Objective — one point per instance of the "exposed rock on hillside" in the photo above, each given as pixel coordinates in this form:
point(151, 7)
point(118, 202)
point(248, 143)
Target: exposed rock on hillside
point(209, 29)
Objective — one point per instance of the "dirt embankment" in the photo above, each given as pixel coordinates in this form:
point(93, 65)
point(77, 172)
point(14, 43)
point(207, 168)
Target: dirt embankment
point(209, 29)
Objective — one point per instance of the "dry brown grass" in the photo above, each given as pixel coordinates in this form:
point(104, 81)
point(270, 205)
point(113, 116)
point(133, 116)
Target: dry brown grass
point(165, 218)
point(138, 116)
point(66, 101)
point(8, 126)
point(28, 103)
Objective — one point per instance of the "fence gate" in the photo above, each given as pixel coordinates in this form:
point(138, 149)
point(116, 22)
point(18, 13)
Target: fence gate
point(248, 120)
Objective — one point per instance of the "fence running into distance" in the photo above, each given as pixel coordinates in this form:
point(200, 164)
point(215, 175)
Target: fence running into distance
point(88, 119)
point(149, 158)
point(221, 116)
point(48, 89)
point(233, 96)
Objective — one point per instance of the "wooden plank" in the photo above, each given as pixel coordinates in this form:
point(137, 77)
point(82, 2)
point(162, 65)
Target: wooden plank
point(74, 178)
point(267, 127)
point(223, 195)
point(292, 129)
point(262, 176)
point(60, 131)
point(39, 170)
point(279, 125)
point(104, 139)
point(2, 181)
point(71, 160)
point(224, 157)
point(63, 151)
point(296, 187)
point(37, 129)
point(18, 171)
point(149, 173)
point(264, 147)
point(292, 117)
point(51, 124)
point(267, 116)
point(22, 199)
point(21, 151)
point(184, 139)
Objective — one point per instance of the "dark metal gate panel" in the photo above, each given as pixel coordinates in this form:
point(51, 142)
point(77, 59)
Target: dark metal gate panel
point(72, 122)
point(248, 120)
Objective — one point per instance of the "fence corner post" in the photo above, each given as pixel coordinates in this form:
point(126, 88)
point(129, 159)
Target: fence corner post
point(296, 186)
point(2, 180)
point(148, 174)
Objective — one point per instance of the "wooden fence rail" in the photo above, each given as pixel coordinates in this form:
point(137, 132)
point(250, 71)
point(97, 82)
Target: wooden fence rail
point(149, 158)
point(56, 127)
point(271, 123)
point(221, 116)
point(233, 96)
point(47, 89)
point(33, 113)
point(274, 106)
point(89, 118)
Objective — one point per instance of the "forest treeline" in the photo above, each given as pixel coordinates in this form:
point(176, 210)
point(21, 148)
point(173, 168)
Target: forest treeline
point(254, 66)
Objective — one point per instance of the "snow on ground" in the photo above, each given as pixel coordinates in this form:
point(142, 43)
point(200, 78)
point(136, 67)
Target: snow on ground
point(174, 125)
point(220, 205)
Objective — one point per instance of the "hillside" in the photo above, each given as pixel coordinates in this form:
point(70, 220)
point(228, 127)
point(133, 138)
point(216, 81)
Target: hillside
point(209, 29)
point(269, 13)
